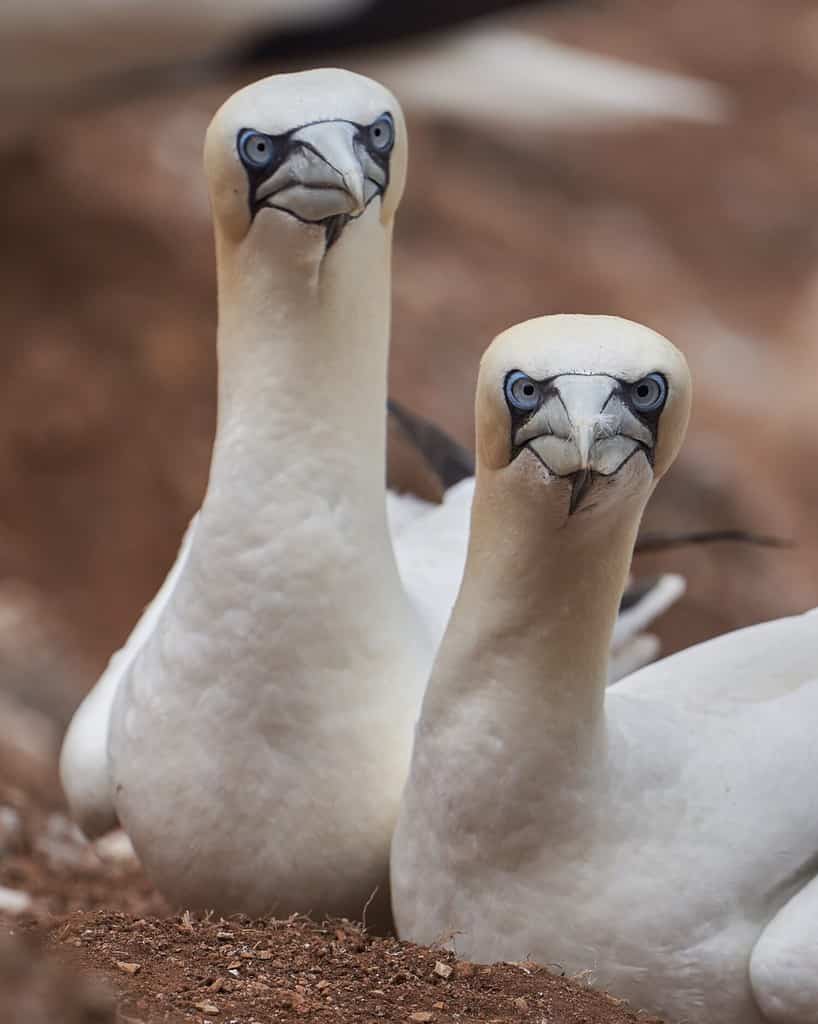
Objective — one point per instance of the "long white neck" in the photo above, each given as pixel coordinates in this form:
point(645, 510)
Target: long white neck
point(529, 636)
point(303, 349)
point(293, 529)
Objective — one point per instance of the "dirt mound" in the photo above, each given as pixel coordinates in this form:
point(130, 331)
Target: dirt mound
point(184, 969)
point(95, 932)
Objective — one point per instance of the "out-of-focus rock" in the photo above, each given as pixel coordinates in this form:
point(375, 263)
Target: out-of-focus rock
point(40, 673)
point(64, 847)
point(29, 744)
point(39, 662)
point(116, 849)
point(36, 989)
point(14, 901)
point(12, 837)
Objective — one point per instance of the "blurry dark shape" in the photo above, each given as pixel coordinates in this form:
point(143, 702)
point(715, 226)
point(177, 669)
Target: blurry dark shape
point(666, 541)
point(407, 469)
point(449, 459)
point(458, 59)
point(379, 22)
point(218, 45)
point(636, 591)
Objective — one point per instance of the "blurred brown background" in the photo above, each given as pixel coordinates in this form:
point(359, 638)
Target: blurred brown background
point(706, 231)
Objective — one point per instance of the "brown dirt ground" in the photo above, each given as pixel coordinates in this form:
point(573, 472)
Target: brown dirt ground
point(187, 969)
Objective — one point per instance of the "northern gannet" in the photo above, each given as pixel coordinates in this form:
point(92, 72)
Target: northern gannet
point(277, 675)
point(660, 835)
point(261, 733)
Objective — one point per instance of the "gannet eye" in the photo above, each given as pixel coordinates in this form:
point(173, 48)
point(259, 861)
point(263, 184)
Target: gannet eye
point(649, 393)
point(522, 392)
point(255, 149)
point(382, 134)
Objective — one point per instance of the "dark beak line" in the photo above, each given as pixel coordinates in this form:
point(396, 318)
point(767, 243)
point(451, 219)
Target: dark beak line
point(580, 484)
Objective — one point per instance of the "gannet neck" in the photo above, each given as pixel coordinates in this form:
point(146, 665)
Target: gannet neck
point(294, 516)
point(540, 645)
point(303, 348)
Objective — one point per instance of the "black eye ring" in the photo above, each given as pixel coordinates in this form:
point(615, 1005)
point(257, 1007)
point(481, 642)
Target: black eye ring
point(522, 392)
point(649, 393)
point(382, 134)
point(255, 148)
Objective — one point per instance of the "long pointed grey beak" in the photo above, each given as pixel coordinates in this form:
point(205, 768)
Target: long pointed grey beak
point(327, 174)
point(584, 430)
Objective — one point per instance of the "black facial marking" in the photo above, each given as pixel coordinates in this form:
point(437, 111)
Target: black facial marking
point(623, 390)
point(262, 154)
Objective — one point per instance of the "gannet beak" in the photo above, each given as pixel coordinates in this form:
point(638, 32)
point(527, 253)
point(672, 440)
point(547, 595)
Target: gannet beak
point(324, 175)
point(584, 429)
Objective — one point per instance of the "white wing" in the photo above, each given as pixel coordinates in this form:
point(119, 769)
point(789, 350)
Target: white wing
point(84, 755)
point(748, 666)
point(431, 552)
point(493, 73)
point(403, 509)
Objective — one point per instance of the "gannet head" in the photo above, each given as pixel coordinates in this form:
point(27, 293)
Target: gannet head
point(595, 407)
point(310, 152)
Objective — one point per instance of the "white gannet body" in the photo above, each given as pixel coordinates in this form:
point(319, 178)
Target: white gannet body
point(260, 737)
point(661, 835)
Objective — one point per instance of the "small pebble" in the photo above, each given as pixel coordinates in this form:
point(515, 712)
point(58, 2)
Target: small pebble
point(64, 847)
point(116, 848)
point(14, 901)
point(128, 968)
point(464, 969)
